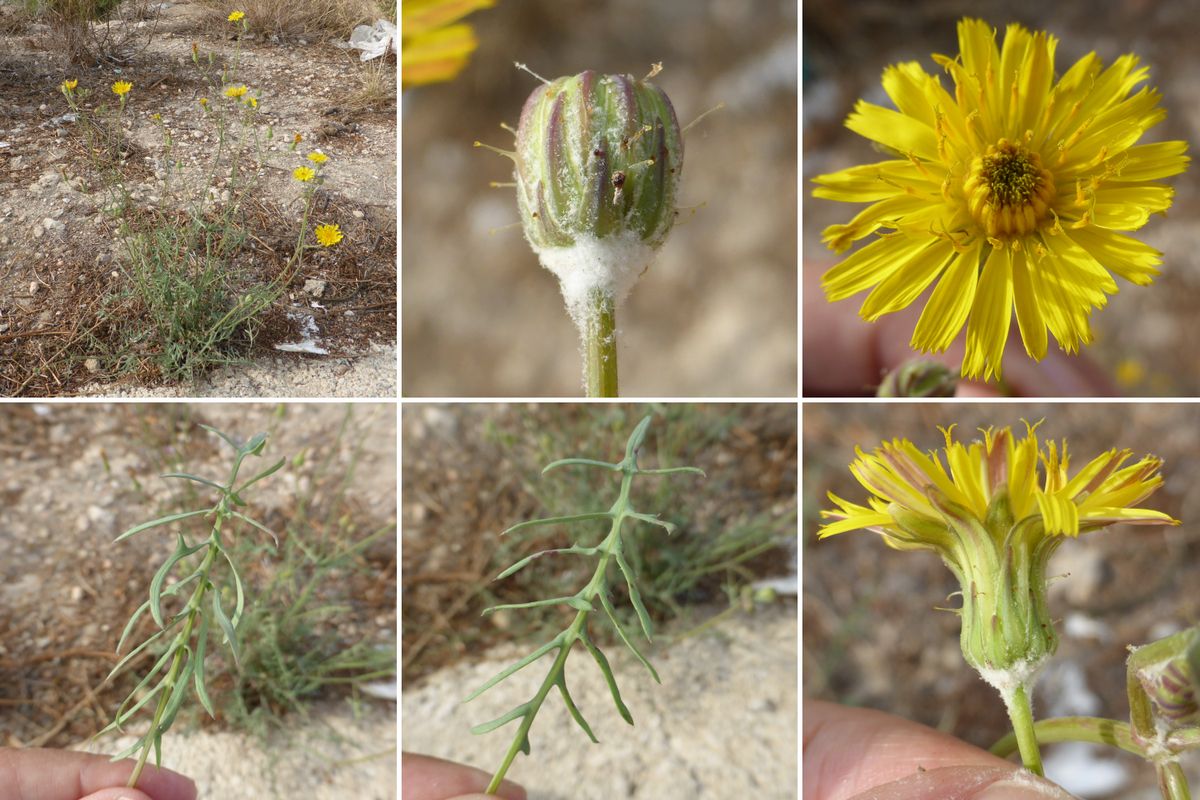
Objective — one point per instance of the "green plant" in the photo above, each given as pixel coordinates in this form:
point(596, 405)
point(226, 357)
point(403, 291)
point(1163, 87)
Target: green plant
point(611, 550)
point(181, 663)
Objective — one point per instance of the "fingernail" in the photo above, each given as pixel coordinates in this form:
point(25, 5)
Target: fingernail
point(1020, 790)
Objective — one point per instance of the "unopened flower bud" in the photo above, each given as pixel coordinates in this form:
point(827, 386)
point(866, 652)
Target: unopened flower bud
point(919, 378)
point(598, 160)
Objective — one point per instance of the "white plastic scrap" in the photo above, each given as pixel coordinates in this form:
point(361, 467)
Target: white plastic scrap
point(374, 40)
point(308, 332)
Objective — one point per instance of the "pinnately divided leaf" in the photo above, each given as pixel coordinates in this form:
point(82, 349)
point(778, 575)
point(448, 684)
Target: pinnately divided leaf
point(608, 550)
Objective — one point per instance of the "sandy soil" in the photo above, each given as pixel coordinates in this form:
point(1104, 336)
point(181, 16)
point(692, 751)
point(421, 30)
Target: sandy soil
point(60, 256)
point(872, 636)
point(73, 476)
point(716, 314)
point(847, 46)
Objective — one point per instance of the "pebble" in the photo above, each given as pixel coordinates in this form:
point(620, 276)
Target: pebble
point(314, 287)
point(92, 365)
point(34, 287)
point(358, 214)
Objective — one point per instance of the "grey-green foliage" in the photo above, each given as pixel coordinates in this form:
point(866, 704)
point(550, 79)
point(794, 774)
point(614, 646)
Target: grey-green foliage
point(207, 569)
point(612, 550)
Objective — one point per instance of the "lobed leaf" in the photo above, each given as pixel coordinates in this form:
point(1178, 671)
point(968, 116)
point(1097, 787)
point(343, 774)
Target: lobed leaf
point(237, 582)
point(574, 601)
point(561, 683)
point(488, 727)
point(198, 674)
point(509, 670)
point(226, 628)
point(612, 616)
point(635, 596)
point(602, 661)
point(182, 551)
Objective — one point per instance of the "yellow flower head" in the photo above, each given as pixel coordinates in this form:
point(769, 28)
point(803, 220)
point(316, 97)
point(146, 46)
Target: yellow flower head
point(70, 84)
point(204, 102)
point(252, 102)
point(304, 174)
point(317, 157)
point(328, 235)
point(995, 510)
point(236, 16)
point(236, 91)
point(1010, 193)
point(121, 88)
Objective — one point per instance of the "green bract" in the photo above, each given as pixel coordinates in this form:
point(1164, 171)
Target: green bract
point(597, 156)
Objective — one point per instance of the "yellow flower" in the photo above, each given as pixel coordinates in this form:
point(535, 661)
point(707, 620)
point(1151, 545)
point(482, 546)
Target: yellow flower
point(318, 157)
point(328, 235)
point(204, 102)
point(252, 102)
point(69, 85)
point(236, 91)
point(995, 518)
point(1010, 193)
point(433, 49)
point(236, 16)
point(121, 88)
point(304, 174)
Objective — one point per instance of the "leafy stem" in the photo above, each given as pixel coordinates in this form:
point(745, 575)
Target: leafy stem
point(185, 652)
point(610, 551)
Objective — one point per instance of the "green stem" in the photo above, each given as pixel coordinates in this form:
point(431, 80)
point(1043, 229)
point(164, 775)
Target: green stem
point(1094, 730)
point(1020, 712)
point(177, 660)
point(1171, 781)
point(600, 346)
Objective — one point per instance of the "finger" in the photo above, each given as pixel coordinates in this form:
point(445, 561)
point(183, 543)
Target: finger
point(429, 778)
point(967, 783)
point(850, 750)
point(118, 794)
point(36, 774)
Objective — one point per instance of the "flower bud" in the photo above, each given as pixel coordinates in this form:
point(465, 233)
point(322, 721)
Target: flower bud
point(919, 378)
point(598, 160)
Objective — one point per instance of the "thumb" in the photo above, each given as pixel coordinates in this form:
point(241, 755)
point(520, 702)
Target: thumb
point(121, 793)
point(968, 783)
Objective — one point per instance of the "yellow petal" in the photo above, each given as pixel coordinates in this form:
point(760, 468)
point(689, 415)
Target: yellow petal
point(908, 281)
point(436, 56)
point(1029, 314)
point(891, 128)
point(1147, 162)
point(870, 182)
point(1134, 261)
point(1127, 208)
point(869, 265)
point(991, 314)
point(883, 214)
point(950, 303)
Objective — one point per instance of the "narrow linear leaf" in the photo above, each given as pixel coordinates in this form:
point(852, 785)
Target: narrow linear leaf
point(189, 477)
point(254, 447)
point(182, 551)
point(142, 685)
point(587, 462)
point(574, 601)
point(160, 521)
point(509, 670)
point(602, 661)
point(128, 751)
point(525, 747)
point(612, 616)
point(133, 653)
point(557, 521)
point(561, 683)
point(524, 562)
point(198, 674)
point(158, 748)
point(635, 596)
point(271, 470)
point(237, 582)
point(142, 609)
point(178, 692)
point(488, 727)
point(258, 525)
point(121, 718)
point(226, 628)
point(229, 441)
point(653, 520)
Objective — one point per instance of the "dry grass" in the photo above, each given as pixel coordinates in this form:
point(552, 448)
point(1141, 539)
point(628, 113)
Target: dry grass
point(376, 86)
point(291, 18)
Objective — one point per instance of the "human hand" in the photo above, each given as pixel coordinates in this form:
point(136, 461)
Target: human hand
point(845, 355)
point(428, 778)
point(35, 774)
point(868, 755)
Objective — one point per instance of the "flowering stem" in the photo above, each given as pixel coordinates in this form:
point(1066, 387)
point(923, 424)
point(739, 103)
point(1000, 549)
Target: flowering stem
point(1020, 712)
point(1171, 781)
point(600, 346)
point(1094, 730)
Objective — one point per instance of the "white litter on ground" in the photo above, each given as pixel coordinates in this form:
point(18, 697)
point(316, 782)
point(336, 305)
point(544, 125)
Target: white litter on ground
point(374, 40)
point(309, 339)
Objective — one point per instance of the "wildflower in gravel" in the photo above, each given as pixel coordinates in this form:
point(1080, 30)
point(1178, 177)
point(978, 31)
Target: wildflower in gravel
point(252, 102)
point(1011, 193)
point(995, 518)
point(204, 103)
point(303, 174)
point(122, 88)
point(69, 85)
point(236, 91)
point(318, 157)
point(236, 16)
point(328, 235)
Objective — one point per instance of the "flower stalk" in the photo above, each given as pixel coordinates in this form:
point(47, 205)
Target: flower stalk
point(600, 348)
